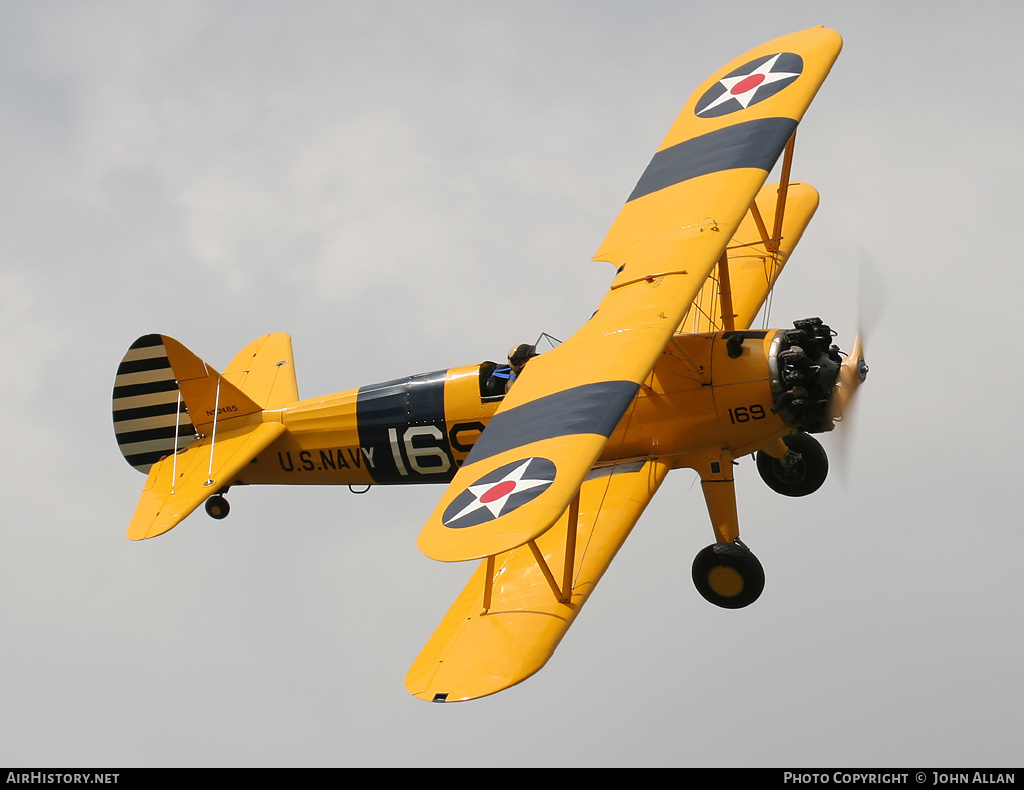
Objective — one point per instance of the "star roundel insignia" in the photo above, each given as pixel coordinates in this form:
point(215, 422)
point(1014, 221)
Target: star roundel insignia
point(499, 492)
point(749, 84)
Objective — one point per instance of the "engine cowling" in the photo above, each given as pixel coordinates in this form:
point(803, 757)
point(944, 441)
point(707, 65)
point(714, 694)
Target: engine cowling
point(736, 390)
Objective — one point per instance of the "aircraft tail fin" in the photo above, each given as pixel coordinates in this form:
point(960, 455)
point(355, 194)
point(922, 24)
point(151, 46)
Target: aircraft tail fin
point(165, 397)
point(191, 429)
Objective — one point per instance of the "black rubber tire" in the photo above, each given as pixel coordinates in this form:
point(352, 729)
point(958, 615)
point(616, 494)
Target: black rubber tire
point(728, 575)
point(217, 507)
point(802, 478)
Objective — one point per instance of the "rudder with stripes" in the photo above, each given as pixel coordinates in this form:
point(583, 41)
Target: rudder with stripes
point(150, 418)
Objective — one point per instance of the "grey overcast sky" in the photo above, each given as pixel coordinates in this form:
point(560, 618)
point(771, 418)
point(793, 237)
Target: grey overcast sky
point(407, 186)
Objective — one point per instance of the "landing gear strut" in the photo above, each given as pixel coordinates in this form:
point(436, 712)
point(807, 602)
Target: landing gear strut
point(728, 575)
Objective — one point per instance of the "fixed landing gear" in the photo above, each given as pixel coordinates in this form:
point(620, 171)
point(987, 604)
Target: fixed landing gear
point(800, 472)
point(728, 575)
point(217, 507)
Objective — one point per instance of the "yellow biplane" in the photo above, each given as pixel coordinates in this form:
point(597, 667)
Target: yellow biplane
point(545, 482)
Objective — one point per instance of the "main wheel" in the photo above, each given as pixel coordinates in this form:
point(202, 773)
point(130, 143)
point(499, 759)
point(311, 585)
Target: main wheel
point(217, 507)
point(728, 575)
point(801, 472)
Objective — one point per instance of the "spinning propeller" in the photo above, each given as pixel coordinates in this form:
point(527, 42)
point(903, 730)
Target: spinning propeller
point(851, 373)
point(871, 299)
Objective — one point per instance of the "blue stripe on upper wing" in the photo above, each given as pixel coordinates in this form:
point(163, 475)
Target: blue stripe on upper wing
point(590, 408)
point(751, 144)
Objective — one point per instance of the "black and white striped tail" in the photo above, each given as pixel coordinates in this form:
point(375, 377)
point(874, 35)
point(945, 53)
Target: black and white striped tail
point(150, 420)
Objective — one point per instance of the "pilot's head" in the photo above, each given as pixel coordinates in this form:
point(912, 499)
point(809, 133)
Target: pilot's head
point(518, 356)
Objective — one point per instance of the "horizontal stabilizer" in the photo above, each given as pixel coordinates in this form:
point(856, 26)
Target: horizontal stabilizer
point(265, 371)
point(178, 484)
point(205, 391)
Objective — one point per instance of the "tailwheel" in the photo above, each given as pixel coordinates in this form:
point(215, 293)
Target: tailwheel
point(728, 575)
point(217, 507)
point(800, 472)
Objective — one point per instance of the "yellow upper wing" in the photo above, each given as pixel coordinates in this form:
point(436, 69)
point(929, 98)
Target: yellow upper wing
point(718, 152)
point(535, 453)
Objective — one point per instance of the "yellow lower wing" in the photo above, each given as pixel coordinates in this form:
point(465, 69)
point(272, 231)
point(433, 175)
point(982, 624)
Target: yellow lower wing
point(755, 257)
point(517, 606)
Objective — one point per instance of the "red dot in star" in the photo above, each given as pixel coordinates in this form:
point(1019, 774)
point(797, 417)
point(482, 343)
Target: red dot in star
point(747, 84)
point(498, 491)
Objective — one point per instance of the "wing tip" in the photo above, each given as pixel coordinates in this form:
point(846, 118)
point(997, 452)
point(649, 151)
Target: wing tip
point(438, 696)
point(478, 689)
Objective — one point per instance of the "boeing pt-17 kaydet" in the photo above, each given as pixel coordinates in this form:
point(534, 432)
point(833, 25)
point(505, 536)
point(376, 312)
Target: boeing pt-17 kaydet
point(545, 482)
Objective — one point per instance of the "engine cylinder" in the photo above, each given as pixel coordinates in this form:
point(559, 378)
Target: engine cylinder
point(804, 367)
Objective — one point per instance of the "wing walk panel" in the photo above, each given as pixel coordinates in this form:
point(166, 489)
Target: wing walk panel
point(473, 652)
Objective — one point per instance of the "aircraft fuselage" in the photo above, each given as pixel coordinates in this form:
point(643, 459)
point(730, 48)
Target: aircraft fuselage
point(709, 393)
